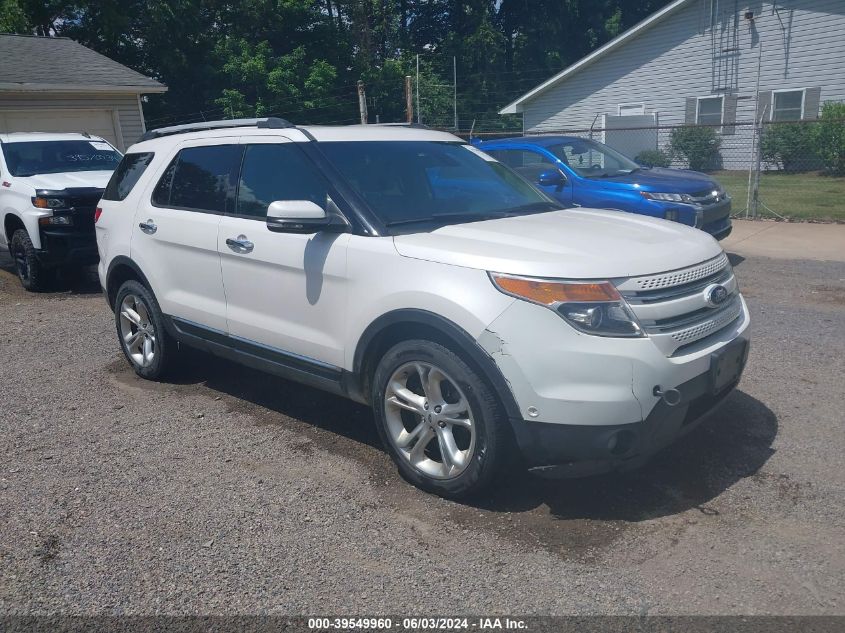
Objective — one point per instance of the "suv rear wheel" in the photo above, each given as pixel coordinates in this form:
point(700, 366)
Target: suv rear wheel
point(440, 422)
point(34, 277)
point(140, 328)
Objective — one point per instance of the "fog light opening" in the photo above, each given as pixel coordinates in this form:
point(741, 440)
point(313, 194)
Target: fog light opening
point(620, 442)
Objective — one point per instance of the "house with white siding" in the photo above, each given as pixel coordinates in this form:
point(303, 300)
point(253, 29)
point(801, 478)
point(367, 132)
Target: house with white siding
point(724, 63)
point(53, 84)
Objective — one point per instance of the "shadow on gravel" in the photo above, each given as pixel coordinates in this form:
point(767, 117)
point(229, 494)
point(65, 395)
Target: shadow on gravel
point(78, 282)
point(735, 442)
point(265, 396)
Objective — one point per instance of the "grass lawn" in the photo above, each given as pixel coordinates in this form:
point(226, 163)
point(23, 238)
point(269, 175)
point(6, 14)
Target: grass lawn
point(807, 196)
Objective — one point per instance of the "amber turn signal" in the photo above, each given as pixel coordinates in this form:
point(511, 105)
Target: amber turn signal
point(550, 292)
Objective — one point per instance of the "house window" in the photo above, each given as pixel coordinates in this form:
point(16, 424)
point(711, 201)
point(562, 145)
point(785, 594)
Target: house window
point(788, 105)
point(709, 111)
point(631, 109)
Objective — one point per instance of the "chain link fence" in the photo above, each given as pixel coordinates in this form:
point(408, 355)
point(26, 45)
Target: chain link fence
point(790, 170)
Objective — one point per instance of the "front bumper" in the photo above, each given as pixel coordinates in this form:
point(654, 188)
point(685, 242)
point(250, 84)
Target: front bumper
point(716, 219)
point(589, 400)
point(578, 450)
point(60, 246)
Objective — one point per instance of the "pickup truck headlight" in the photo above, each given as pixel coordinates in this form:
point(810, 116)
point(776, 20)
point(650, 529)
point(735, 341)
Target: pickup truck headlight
point(43, 202)
point(592, 307)
point(667, 197)
point(56, 220)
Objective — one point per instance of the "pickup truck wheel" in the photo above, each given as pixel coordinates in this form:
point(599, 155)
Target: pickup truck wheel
point(140, 328)
point(440, 422)
point(34, 277)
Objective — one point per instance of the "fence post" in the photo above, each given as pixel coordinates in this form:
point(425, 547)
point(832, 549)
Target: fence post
point(758, 164)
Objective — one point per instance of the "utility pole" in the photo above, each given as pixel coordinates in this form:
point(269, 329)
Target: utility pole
point(409, 100)
point(455, 82)
point(362, 102)
point(419, 114)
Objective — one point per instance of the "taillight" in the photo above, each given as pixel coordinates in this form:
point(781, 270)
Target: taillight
point(97, 212)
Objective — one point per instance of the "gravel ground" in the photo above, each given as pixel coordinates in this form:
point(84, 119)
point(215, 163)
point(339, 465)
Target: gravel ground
point(225, 491)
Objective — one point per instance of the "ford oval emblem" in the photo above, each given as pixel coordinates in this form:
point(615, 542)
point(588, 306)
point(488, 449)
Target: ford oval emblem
point(716, 295)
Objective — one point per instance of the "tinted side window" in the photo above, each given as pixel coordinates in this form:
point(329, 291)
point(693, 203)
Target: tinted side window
point(277, 172)
point(126, 175)
point(201, 178)
point(525, 162)
point(161, 194)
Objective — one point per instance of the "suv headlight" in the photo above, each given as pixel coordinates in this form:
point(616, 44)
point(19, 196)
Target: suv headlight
point(667, 197)
point(592, 307)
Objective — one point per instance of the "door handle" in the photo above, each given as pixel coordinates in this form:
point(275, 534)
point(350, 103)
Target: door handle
point(240, 244)
point(149, 227)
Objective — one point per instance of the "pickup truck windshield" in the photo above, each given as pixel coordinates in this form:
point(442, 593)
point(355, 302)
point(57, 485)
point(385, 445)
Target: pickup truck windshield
point(419, 182)
point(53, 157)
point(593, 160)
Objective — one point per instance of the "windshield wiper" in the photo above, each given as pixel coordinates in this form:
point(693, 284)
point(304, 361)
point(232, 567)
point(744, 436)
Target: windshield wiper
point(534, 206)
point(622, 172)
point(451, 216)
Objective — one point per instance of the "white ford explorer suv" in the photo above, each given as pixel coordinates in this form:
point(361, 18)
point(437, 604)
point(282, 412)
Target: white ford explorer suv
point(405, 269)
point(49, 187)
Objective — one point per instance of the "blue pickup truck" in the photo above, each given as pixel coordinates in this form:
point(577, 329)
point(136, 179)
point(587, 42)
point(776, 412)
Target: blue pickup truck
point(582, 172)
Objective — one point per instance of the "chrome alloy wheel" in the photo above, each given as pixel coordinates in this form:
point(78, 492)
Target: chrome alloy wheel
point(429, 420)
point(137, 331)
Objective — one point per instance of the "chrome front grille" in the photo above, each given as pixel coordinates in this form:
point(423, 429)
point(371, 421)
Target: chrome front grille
point(673, 307)
point(708, 196)
point(677, 277)
point(713, 321)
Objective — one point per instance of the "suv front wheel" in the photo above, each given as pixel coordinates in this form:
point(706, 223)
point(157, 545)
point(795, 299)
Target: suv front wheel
point(439, 420)
point(140, 327)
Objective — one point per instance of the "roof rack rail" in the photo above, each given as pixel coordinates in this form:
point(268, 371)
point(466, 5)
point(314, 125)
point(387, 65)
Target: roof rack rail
point(273, 123)
point(420, 126)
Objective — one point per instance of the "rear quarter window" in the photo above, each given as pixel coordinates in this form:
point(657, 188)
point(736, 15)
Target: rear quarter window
point(126, 175)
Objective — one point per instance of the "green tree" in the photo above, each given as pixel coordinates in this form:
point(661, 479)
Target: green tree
point(830, 138)
point(698, 145)
point(13, 18)
point(303, 57)
point(791, 146)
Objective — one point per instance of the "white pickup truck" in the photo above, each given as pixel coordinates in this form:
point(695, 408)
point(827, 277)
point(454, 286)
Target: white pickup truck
point(50, 184)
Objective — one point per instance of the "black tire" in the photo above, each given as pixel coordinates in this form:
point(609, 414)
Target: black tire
point(33, 275)
point(164, 347)
point(493, 443)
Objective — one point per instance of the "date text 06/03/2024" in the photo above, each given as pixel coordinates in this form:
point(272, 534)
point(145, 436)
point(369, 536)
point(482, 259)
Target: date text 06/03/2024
point(417, 624)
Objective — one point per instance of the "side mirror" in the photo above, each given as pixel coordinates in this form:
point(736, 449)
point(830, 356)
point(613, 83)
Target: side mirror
point(296, 216)
point(551, 178)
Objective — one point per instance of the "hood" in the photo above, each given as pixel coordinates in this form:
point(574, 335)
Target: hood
point(574, 244)
point(67, 180)
point(660, 179)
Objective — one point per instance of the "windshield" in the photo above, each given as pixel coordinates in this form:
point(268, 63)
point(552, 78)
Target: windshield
point(410, 182)
point(593, 160)
point(54, 157)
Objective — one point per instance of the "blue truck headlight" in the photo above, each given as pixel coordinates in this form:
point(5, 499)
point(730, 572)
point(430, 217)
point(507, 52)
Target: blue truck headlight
point(666, 197)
